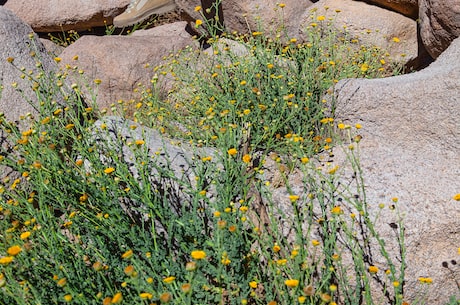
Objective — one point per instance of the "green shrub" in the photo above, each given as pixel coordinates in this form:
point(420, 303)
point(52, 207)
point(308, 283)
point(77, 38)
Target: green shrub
point(82, 224)
point(272, 88)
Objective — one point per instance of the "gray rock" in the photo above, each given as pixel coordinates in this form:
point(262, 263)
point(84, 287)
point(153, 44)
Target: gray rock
point(64, 15)
point(170, 169)
point(123, 62)
point(360, 22)
point(24, 61)
point(255, 15)
point(19, 43)
point(120, 135)
point(410, 150)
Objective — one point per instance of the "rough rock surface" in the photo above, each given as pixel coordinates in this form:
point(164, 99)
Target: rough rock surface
point(17, 41)
point(245, 16)
point(439, 24)
point(119, 132)
point(64, 15)
point(408, 8)
point(20, 45)
point(124, 62)
point(358, 18)
point(410, 150)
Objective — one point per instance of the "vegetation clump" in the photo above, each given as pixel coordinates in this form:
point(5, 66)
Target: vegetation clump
point(91, 214)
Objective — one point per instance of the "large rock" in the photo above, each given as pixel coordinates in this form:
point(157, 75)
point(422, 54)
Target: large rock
point(410, 150)
point(124, 62)
point(19, 43)
point(359, 20)
point(254, 15)
point(408, 8)
point(64, 15)
point(21, 53)
point(439, 24)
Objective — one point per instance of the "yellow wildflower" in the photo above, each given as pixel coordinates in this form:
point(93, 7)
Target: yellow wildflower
point(373, 269)
point(208, 158)
point(68, 297)
point(336, 210)
point(169, 279)
point(425, 280)
point(198, 22)
point(253, 284)
point(107, 301)
point(281, 262)
point(127, 254)
point(321, 18)
point(14, 250)
point(62, 282)
point(146, 295)
point(327, 120)
point(130, 271)
point(457, 197)
point(291, 283)
point(198, 254)
point(25, 235)
point(6, 260)
point(109, 170)
point(117, 298)
point(293, 198)
point(333, 170)
point(232, 151)
point(46, 120)
point(225, 261)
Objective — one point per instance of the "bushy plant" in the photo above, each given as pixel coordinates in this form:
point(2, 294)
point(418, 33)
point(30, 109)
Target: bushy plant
point(270, 87)
point(93, 214)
